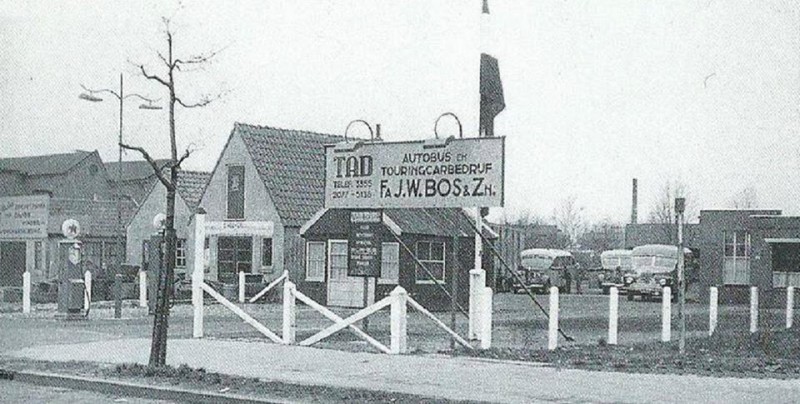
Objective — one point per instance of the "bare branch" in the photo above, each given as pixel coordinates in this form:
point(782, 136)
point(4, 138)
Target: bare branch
point(163, 59)
point(184, 157)
point(205, 100)
point(153, 77)
point(199, 59)
point(102, 90)
point(153, 164)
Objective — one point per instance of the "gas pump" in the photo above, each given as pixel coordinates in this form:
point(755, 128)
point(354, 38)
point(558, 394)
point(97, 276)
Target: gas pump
point(71, 288)
point(154, 268)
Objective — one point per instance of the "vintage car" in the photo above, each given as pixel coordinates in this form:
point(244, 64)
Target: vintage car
point(654, 266)
point(615, 263)
point(542, 268)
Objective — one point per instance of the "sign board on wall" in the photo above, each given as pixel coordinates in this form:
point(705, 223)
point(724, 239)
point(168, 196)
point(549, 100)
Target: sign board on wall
point(450, 173)
point(364, 241)
point(24, 217)
point(235, 228)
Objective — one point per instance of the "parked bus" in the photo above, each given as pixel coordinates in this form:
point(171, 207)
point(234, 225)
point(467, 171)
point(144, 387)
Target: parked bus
point(615, 263)
point(542, 268)
point(653, 267)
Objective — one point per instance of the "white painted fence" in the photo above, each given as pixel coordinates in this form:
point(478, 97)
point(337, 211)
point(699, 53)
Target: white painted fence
point(613, 314)
point(666, 314)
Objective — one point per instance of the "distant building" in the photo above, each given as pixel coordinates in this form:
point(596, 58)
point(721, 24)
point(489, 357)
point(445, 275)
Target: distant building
point(190, 188)
point(136, 180)
point(77, 175)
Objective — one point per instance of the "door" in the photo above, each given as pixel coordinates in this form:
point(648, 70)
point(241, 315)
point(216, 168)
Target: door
point(12, 263)
point(343, 290)
point(234, 254)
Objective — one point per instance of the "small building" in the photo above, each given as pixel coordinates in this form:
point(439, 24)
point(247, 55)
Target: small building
point(77, 175)
point(133, 180)
point(266, 183)
point(31, 235)
point(188, 192)
point(429, 233)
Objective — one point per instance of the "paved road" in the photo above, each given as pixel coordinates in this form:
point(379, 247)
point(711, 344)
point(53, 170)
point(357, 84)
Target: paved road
point(16, 392)
point(458, 378)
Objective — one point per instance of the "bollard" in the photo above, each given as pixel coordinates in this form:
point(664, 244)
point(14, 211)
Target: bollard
point(241, 286)
point(477, 281)
point(87, 295)
point(613, 315)
point(289, 313)
point(198, 272)
point(398, 320)
point(552, 328)
point(26, 292)
point(753, 309)
point(666, 315)
point(142, 289)
point(118, 295)
point(789, 306)
point(486, 319)
point(713, 300)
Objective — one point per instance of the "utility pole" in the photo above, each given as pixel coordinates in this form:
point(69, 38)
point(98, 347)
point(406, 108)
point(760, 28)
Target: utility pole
point(680, 205)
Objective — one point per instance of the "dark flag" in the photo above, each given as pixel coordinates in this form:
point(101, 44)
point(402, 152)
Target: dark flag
point(491, 89)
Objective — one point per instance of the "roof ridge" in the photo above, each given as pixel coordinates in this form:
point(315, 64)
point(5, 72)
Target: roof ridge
point(301, 131)
point(83, 152)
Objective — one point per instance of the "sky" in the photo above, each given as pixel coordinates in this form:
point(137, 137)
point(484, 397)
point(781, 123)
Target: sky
point(699, 92)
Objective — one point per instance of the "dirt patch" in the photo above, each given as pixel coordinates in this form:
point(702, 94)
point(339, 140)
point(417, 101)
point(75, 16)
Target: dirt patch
point(768, 354)
point(201, 380)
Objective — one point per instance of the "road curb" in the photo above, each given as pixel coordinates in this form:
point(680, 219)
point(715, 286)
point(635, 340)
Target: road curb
point(120, 388)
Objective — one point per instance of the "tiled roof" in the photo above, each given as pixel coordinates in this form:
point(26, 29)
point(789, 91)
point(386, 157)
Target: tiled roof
point(44, 165)
point(444, 222)
point(132, 170)
point(191, 185)
point(97, 218)
point(292, 165)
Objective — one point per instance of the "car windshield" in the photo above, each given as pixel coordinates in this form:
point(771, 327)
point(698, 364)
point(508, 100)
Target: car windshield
point(537, 262)
point(610, 263)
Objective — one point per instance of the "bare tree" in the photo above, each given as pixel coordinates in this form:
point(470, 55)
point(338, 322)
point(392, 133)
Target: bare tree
point(747, 198)
point(602, 236)
point(569, 218)
point(663, 210)
point(172, 64)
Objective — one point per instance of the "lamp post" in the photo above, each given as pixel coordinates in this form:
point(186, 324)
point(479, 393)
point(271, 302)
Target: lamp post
point(90, 95)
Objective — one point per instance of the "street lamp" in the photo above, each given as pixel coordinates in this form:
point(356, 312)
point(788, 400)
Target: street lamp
point(680, 207)
point(91, 96)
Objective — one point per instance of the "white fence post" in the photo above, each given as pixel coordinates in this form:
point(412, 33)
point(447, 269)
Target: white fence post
point(753, 309)
point(241, 286)
point(399, 332)
point(613, 315)
point(477, 281)
point(713, 300)
point(198, 274)
point(552, 334)
point(486, 319)
point(666, 315)
point(142, 289)
point(289, 313)
point(789, 306)
point(87, 296)
point(26, 292)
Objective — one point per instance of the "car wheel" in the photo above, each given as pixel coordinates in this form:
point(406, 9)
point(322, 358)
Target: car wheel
point(606, 290)
point(630, 297)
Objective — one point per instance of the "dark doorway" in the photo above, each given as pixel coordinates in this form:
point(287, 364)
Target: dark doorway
point(234, 254)
point(12, 263)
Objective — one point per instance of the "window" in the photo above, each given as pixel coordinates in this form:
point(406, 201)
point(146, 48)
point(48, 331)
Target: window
point(338, 259)
point(235, 192)
point(38, 256)
point(390, 263)
point(785, 264)
point(315, 261)
point(180, 253)
point(736, 258)
point(431, 254)
point(234, 255)
point(266, 252)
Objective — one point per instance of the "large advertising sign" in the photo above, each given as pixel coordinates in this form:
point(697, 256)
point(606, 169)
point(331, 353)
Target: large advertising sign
point(364, 257)
point(451, 173)
point(24, 217)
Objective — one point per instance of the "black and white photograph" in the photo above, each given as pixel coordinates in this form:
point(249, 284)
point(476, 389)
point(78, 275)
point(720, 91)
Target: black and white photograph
point(361, 201)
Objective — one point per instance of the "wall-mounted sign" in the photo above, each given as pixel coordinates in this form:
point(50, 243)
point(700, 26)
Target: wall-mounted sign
point(71, 229)
point(447, 173)
point(24, 217)
point(264, 229)
point(364, 241)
